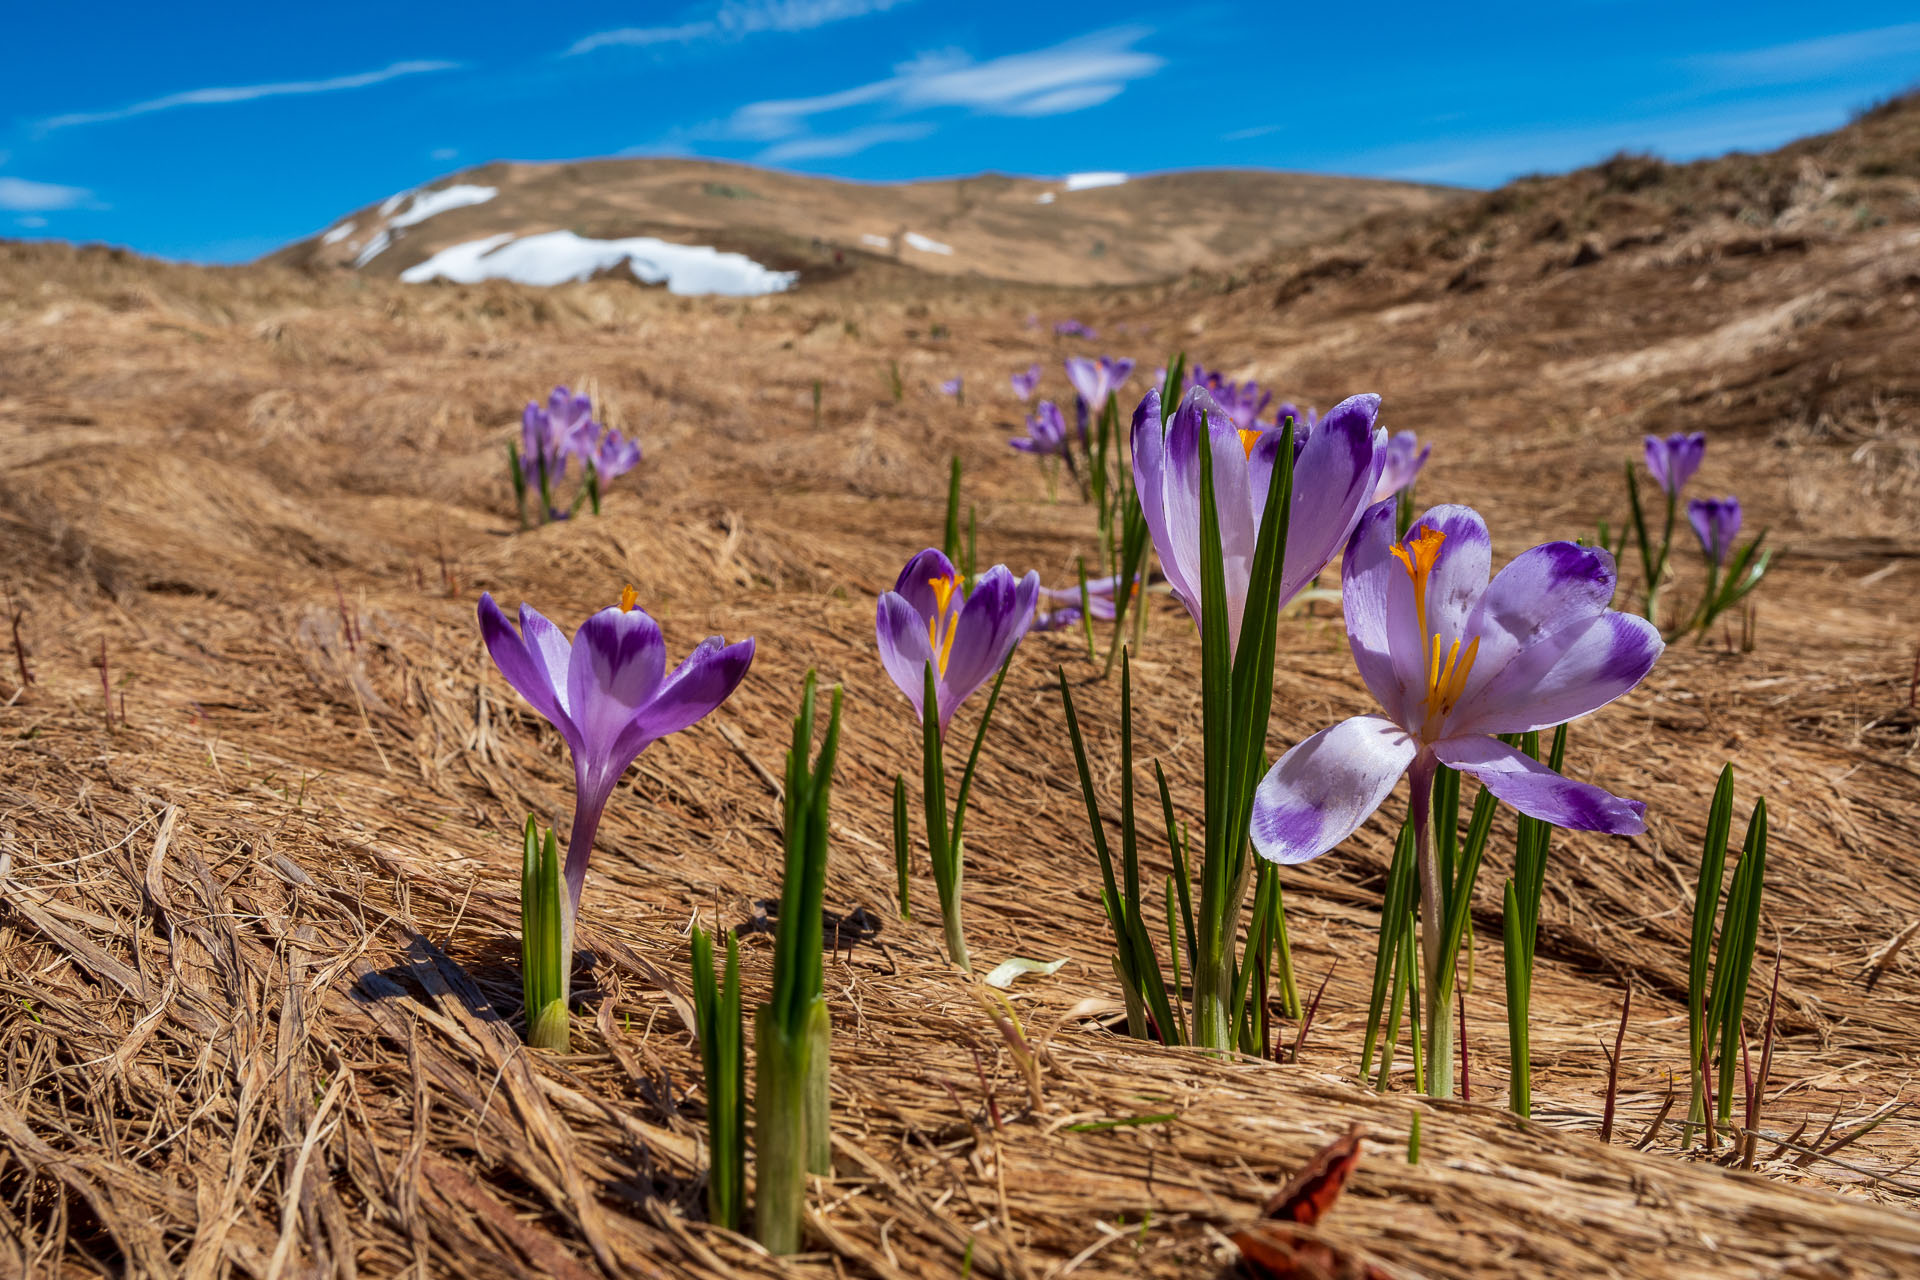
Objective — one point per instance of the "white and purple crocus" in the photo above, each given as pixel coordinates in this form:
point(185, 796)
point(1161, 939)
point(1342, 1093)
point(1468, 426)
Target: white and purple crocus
point(931, 618)
point(1025, 384)
point(1046, 431)
point(609, 695)
point(1096, 381)
point(1454, 660)
point(1337, 465)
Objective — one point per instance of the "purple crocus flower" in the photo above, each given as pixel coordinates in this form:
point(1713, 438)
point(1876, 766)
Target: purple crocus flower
point(1244, 402)
point(1304, 420)
point(608, 695)
point(1674, 460)
point(1335, 473)
point(1025, 384)
point(615, 455)
point(1403, 464)
point(548, 436)
point(1453, 661)
point(1046, 431)
point(1096, 381)
point(951, 386)
point(1073, 329)
point(1058, 619)
point(1717, 522)
point(930, 617)
point(1100, 597)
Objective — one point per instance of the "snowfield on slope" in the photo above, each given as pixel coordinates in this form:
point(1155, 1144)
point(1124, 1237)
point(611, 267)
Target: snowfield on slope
point(557, 257)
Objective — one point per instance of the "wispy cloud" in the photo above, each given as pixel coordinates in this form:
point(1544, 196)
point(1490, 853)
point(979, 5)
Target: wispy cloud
point(736, 19)
point(1064, 78)
point(843, 144)
point(247, 93)
point(1257, 131)
point(19, 195)
point(1808, 60)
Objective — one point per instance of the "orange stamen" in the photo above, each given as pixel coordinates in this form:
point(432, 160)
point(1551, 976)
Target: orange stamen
point(1446, 674)
point(629, 599)
point(945, 593)
point(1248, 439)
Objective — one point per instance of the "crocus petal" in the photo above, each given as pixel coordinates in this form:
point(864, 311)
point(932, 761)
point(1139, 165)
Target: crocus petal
point(916, 579)
point(533, 659)
point(991, 622)
point(618, 660)
point(1454, 588)
point(1320, 792)
point(905, 647)
point(1149, 482)
point(1537, 791)
point(1541, 593)
point(1334, 478)
point(707, 678)
point(1233, 501)
point(1369, 576)
point(1562, 676)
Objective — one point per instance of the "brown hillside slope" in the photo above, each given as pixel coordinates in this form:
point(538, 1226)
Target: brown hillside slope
point(255, 933)
point(1149, 228)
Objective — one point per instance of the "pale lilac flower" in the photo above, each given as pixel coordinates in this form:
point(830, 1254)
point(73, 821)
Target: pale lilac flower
point(1304, 420)
point(1453, 661)
point(608, 694)
point(1074, 329)
point(1717, 522)
point(1095, 382)
point(1046, 431)
point(1403, 464)
point(930, 617)
point(1057, 619)
point(1674, 460)
point(1025, 384)
point(951, 386)
point(615, 455)
point(1335, 472)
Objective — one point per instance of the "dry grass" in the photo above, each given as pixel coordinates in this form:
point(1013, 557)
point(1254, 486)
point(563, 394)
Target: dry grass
point(257, 977)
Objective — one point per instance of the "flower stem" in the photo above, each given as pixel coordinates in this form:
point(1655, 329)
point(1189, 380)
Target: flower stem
point(1433, 931)
point(949, 888)
point(780, 1132)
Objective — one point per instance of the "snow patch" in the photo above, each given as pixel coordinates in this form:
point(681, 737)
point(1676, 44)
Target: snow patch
point(917, 241)
point(875, 242)
point(1084, 181)
point(338, 234)
point(392, 202)
point(1045, 197)
point(428, 203)
point(557, 257)
point(373, 248)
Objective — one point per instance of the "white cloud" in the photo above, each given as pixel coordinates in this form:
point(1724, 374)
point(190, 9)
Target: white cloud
point(1067, 77)
point(736, 19)
point(32, 222)
point(1257, 131)
point(22, 196)
point(445, 153)
point(842, 144)
point(1805, 60)
point(247, 93)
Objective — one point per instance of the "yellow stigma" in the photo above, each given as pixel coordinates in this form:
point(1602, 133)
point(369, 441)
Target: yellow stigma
point(629, 598)
point(1248, 439)
point(945, 592)
point(1446, 673)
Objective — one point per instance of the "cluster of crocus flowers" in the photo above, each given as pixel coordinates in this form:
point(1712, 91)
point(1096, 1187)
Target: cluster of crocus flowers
point(1454, 661)
point(552, 434)
point(1243, 402)
point(609, 694)
point(1025, 382)
point(1073, 329)
point(941, 638)
point(1336, 470)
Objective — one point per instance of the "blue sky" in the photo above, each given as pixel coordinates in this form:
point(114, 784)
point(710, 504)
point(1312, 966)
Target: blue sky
point(217, 132)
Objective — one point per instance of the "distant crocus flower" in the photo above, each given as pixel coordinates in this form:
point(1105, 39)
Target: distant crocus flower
point(1335, 473)
point(951, 387)
point(1304, 420)
point(1057, 619)
point(930, 617)
point(615, 455)
point(608, 695)
point(1674, 460)
point(1073, 329)
point(1244, 402)
point(1025, 384)
point(1454, 661)
point(1096, 381)
point(1046, 431)
point(1717, 522)
point(1403, 464)
point(1100, 596)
